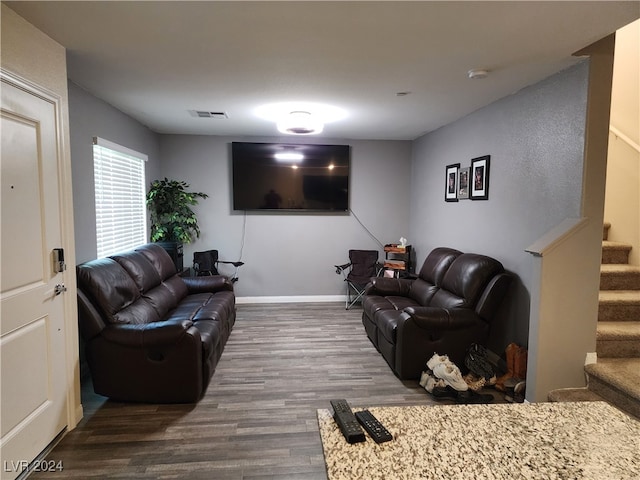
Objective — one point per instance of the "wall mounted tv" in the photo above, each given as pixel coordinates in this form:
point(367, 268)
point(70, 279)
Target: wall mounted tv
point(290, 177)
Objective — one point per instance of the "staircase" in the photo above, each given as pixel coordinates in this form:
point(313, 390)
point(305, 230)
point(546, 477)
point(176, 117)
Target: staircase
point(616, 376)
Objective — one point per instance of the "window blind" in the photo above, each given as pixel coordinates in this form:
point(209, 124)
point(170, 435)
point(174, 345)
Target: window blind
point(121, 216)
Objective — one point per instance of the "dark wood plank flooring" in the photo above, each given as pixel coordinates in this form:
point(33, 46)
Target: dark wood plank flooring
point(258, 417)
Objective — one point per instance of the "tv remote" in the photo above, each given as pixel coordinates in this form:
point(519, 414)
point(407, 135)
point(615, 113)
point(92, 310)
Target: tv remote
point(373, 426)
point(347, 422)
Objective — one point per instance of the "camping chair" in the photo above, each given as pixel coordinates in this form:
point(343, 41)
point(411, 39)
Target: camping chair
point(363, 264)
point(206, 263)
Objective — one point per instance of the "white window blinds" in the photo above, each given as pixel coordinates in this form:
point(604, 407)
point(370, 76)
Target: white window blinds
point(121, 216)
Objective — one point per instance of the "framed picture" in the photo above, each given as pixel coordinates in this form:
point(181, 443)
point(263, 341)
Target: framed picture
point(463, 183)
point(480, 178)
point(451, 183)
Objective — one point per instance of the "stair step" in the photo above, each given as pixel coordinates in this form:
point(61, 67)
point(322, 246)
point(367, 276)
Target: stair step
point(619, 277)
point(617, 380)
point(615, 252)
point(605, 230)
point(618, 339)
point(619, 306)
point(574, 395)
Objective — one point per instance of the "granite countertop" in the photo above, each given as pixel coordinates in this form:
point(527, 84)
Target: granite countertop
point(574, 440)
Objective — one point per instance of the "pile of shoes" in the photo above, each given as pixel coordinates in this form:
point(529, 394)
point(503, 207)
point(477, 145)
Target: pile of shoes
point(443, 379)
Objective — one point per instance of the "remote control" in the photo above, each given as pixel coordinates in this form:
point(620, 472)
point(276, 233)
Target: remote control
point(347, 422)
point(373, 426)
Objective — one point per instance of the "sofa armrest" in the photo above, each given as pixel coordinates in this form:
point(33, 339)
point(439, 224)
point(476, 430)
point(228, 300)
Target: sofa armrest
point(207, 284)
point(388, 286)
point(148, 335)
point(435, 318)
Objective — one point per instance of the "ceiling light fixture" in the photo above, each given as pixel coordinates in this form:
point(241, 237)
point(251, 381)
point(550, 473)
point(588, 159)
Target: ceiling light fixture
point(299, 123)
point(477, 73)
point(300, 118)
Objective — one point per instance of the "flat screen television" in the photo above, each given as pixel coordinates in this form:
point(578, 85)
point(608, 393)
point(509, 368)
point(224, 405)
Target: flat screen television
point(290, 177)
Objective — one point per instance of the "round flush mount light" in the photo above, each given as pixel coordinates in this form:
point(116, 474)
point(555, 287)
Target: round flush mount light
point(478, 73)
point(299, 123)
point(300, 118)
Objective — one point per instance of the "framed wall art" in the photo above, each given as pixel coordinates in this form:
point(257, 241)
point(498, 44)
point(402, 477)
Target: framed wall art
point(463, 183)
point(479, 178)
point(451, 183)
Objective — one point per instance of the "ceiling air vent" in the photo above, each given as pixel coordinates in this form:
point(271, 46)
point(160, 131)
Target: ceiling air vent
point(207, 114)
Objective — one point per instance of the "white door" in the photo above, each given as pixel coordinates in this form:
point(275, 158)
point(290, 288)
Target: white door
point(32, 338)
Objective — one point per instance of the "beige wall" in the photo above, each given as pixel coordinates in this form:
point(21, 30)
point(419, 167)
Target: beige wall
point(37, 59)
point(622, 202)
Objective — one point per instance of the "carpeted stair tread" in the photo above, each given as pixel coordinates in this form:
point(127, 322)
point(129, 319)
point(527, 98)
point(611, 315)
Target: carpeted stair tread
point(619, 305)
point(631, 297)
point(615, 252)
point(623, 374)
point(618, 339)
point(574, 395)
point(619, 277)
point(616, 245)
point(618, 331)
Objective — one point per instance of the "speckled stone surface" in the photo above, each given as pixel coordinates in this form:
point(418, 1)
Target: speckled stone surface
point(546, 441)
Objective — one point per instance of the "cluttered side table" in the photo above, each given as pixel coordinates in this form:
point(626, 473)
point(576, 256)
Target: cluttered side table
point(399, 261)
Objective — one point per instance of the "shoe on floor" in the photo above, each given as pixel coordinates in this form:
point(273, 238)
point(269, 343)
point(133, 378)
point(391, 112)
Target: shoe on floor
point(474, 382)
point(437, 360)
point(450, 373)
point(479, 365)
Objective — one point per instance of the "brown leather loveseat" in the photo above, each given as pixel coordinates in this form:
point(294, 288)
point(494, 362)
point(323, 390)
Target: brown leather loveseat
point(151, 335)
point(446, 309)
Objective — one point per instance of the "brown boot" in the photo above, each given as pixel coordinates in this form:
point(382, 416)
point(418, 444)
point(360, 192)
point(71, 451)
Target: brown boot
point(520, 363)
point(510, 351)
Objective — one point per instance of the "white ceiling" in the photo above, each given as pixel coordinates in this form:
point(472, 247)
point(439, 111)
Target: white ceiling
point(157, 60)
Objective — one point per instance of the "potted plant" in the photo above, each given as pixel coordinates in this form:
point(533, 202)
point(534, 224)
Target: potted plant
point(173, 222)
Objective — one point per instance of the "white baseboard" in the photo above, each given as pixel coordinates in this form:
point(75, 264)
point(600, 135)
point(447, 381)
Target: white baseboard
point(592, 357)
point(292, 299)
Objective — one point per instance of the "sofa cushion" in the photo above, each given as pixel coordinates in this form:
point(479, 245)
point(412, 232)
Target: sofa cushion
point(465, 281)
point(177, 287)
point(137, 313)
point(139, 268)
point(437, 263)
point(161, 299)
point(220, 305)
point(111, 287)
point(372, 303)
point(160, 259)
point(422, 291)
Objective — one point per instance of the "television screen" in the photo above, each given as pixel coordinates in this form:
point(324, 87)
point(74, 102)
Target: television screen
point(290, 177)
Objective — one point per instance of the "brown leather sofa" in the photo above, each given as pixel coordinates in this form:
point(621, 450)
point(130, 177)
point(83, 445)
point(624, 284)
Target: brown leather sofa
point(151, 335)
point(444, 310)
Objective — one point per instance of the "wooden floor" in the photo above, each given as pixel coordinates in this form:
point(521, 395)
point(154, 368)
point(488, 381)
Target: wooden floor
point(258, 417)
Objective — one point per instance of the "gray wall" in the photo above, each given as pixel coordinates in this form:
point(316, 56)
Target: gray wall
point(91, 117)
point(292, 255)
point(535, 138)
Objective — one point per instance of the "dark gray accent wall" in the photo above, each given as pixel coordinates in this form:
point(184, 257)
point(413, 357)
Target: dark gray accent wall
point(289, 255)
point(91, 117)
point(535, 138)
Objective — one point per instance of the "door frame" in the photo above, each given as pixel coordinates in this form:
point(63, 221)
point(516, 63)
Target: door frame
point(72, 364)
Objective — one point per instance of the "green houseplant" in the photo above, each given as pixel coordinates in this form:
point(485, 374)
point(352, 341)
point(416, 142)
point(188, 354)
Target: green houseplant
point(172, 219)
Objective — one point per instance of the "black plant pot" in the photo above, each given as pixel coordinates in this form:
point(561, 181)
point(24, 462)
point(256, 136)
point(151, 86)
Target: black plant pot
point(174, 249)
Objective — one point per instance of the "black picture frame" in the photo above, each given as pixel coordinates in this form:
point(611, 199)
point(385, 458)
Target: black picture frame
point(451, 183)
point(479, 178)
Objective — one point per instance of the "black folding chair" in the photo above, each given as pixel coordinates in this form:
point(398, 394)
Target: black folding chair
point(206, 263)
point(363, 264)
